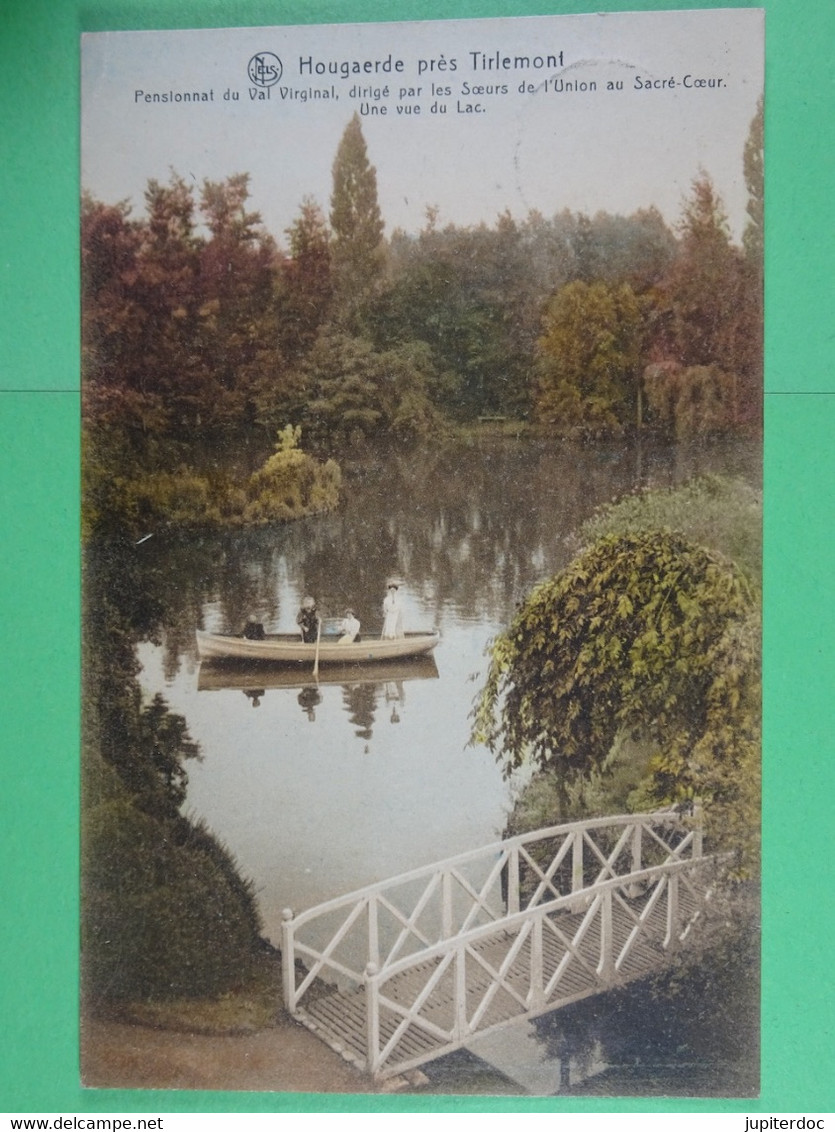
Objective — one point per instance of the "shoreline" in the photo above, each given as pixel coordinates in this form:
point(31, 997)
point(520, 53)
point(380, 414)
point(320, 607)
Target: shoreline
point(283, 1057)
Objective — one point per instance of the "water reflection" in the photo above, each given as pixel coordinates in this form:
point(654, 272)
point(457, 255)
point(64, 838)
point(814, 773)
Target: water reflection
point(213, 676)
point(364, 687)
point(308, 700)
point(377, 759)
point(471, 528)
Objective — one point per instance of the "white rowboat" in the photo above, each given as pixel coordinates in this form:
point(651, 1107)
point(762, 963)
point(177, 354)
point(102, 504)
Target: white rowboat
point(288, 648)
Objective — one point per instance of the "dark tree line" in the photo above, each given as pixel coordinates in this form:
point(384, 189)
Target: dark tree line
point(199, 328)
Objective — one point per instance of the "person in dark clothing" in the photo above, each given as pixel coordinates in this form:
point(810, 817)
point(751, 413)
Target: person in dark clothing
point(253, 630)
point(308, 621)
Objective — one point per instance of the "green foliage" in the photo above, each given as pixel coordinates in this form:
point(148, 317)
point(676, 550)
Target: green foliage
point(648, 636)
point(691, 400)
point(163, 910)
point(356, 223)
point(588, 358)
point(357, 392)
point(714, 511)
point(291, 483)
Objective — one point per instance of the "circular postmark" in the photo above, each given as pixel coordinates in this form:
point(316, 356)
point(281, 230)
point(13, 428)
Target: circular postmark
point(264, 69)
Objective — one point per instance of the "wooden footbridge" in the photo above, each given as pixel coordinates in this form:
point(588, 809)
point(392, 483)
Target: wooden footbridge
point(408, 969)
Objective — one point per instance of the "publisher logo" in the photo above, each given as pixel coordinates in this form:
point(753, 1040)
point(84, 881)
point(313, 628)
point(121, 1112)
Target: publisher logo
point(264, 69)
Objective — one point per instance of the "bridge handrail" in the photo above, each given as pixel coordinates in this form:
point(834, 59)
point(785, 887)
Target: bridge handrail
point(670, 816)
point(569, 901)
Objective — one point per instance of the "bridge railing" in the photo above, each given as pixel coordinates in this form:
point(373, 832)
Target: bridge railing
point(406, 917)
point(548, 956)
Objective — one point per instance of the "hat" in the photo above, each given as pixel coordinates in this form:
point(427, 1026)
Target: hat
point(308, 603)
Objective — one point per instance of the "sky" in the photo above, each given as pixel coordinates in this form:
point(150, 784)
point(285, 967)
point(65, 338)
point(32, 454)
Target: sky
point(470, 117)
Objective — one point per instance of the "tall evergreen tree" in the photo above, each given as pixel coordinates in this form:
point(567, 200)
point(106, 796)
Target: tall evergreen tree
point(356, 222)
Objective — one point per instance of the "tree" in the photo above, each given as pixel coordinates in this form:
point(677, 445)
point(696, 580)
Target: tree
point(588, 358)
point(235, 338)
point(708, 320)
point(752, 164)
point(648, 636)
point(690, 400)
point(355, 390)
point(165, 366)
point(307, 280)
point(754, 246)
point(637, 249)
point(113, 391)
point(355, 219)
point(291, 483)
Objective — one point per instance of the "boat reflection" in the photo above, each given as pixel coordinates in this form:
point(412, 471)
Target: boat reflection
point(364, 686)
point(257, 679)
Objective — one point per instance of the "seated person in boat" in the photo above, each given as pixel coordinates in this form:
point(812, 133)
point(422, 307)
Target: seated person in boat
point(253, 630)
point(308, 621)
point(349, 628)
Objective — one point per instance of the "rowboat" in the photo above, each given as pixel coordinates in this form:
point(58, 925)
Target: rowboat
point(288, 648)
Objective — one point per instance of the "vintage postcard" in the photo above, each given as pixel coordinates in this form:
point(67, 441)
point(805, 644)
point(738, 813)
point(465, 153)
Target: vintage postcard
point(422, 492)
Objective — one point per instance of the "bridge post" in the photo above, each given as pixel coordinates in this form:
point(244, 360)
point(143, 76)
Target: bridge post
point(606, 966)
point(634, 890)
point(373, 932)
point(698, 830)
point(446, 905)
point(672, 911)
point(288, 963)
point(460, 1026)
point(537, 991)
point(577, 868)
point(513, 881)
point(372, 1017)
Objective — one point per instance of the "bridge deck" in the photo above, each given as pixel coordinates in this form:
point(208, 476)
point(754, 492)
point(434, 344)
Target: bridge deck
point(340, 1017)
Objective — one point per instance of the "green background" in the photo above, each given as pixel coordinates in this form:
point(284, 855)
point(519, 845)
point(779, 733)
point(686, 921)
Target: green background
point(39, 574)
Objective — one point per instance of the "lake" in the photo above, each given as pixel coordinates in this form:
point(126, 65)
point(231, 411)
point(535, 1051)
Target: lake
point(318, 788)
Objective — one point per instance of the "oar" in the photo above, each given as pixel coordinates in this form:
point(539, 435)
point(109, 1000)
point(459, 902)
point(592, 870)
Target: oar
point(316, 661)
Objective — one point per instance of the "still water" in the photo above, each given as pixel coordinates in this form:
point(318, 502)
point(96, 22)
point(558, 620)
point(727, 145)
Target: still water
point(322, 787)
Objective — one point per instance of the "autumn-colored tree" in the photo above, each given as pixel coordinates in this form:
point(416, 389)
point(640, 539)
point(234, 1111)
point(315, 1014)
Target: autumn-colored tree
point(113, 395)
point(235, 334)
point(589, 357)
point(307, 280)
point(708, 322)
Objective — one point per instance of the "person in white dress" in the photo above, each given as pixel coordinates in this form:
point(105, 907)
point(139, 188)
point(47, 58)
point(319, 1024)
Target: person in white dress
point(392, 614)
point(349, 628)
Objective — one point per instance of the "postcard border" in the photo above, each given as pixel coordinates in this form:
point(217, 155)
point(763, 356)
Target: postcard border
point(40, 573)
